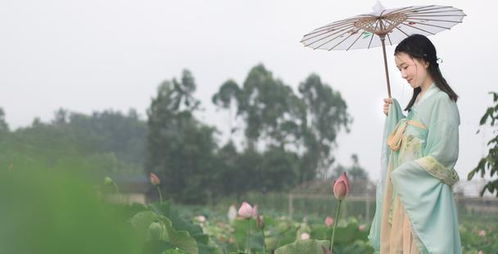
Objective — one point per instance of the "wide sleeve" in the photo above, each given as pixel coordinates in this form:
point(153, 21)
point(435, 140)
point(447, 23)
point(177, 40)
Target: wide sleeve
point(440, 152)
point(393, 117)
point(395, 114)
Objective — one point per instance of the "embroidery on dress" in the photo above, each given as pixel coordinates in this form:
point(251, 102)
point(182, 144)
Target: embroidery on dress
point(433, 167)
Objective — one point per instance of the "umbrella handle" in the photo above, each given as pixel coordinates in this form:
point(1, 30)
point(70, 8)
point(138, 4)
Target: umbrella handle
point(382, 39)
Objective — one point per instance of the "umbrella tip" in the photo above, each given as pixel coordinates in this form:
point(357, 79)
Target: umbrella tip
point(378, 7)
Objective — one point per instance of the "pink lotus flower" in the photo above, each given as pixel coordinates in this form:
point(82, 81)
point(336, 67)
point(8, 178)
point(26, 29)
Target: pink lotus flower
point(247, 211)
point(361, 227)
point(482, 233)
point(329, 221)
point(341, 187)
point(154, 179)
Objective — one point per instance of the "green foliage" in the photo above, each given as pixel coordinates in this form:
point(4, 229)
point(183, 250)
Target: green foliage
point(162, 230)
point(490, 162)
point(248, 235)
point(113, 133)
point(280, 232)
point(304, 246)
point(75, 141)
point(55, 212)
point(39, 149)
point(477, 233)
point(478, 236)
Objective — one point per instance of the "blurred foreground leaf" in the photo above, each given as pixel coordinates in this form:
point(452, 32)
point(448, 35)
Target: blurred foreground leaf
point(46, 211)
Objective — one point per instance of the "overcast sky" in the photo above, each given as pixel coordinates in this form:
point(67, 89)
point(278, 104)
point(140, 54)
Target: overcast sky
point(95, 55)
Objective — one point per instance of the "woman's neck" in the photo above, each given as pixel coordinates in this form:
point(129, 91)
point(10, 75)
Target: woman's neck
point(426, 85)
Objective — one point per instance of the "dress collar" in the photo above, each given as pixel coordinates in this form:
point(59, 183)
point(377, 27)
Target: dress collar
point(430, 91)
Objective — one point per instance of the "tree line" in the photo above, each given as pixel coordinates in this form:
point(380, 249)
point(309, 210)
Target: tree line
point(286, 137)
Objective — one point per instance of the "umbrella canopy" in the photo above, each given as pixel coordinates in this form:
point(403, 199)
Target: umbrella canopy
point(391, 25)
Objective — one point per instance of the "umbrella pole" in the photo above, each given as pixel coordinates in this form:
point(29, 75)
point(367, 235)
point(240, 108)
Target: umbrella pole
point(382, 39)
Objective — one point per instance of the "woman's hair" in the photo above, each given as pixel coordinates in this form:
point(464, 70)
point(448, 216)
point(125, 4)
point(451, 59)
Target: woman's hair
point(420, 47)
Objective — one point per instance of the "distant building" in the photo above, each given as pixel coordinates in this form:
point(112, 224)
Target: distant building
point(132, 189)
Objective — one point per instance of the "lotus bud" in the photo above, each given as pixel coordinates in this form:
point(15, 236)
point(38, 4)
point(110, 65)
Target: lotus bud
point(155, 231)
point(341, 187)
point(108, 180)
point(246, 210)
point(154, 179)
point(200, 218)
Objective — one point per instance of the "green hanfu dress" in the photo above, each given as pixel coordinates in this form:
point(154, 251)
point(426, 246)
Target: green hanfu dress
point(415, 206)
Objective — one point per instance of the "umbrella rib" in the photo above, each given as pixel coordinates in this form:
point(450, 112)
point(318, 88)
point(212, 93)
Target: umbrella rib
point(313, 35)
point(423, 24)
point(415, 9)
point(436, 20)
point(324, 31)
point(359, 36)
point(421, 10)
point(433, 8)
point(437, 12)
point(340, 42)
point(404, 9)
point(435, 15)
point(326, 41)
point(402, 31)
point(371, 39)
point(339, 22)
point(388, 37)
point(418, 28)
point(340, 32)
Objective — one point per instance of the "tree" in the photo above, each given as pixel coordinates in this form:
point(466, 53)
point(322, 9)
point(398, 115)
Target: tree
point(266, 105)
point(356, 172)
point(277, 120)
point(490, 162)
point(112, 132)
point(326, 114)
point(4, 127)
point(61, 117)
point(228, 94)
point(180, 149)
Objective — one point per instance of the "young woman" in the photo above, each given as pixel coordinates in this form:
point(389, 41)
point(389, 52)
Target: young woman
point(415, 208)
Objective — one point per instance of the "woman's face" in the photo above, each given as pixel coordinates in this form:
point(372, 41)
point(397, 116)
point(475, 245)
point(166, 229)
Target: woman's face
point(413, 70)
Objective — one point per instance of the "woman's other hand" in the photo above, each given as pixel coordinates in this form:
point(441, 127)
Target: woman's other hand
point(387, 101)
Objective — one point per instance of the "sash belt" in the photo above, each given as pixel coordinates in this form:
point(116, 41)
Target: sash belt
point(394, 139)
